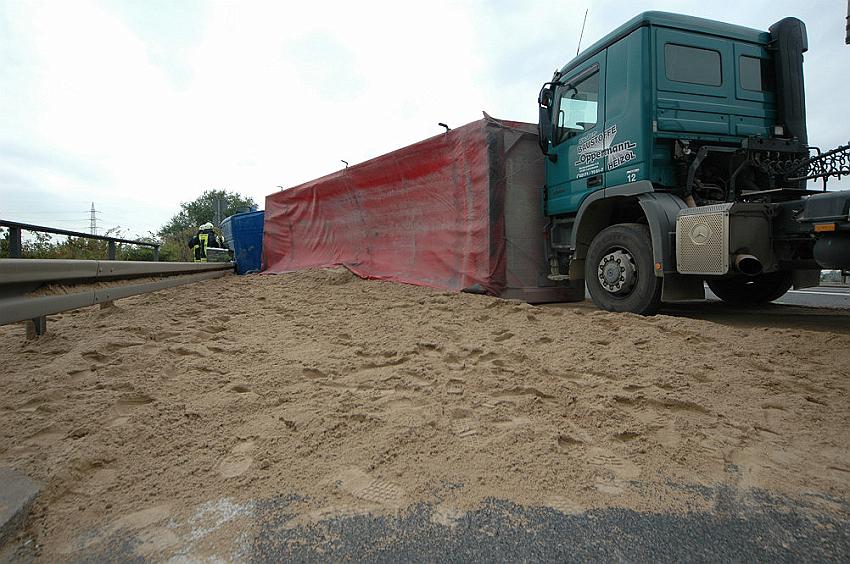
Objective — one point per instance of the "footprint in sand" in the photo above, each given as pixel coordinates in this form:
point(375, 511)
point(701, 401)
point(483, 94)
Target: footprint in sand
point(98, 358)
point(502, 335)
point(48, 436)
point(78, 375)
point(654, 417)
point(189, 350)
point(128, 403)
point(454, 387)
point(35, 404)
point(567, 442)
point(112, 346)
point(605, 459)
point(310, 372)
point(465, 428)
point(518, 393)
point(238, 461)
point(361, 485)
point(464, 423)
point(125, 406)
point(564, 505)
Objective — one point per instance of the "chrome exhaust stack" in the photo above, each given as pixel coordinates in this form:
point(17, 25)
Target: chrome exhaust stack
point(748, 264)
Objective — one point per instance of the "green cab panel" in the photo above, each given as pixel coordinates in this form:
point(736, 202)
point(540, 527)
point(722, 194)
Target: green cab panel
point(614, 151)
point(580, 120)
point(698, 86)
point(661, 77)
point(628, 109)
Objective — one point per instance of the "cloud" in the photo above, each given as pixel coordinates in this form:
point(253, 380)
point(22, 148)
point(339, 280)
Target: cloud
point(139, 106)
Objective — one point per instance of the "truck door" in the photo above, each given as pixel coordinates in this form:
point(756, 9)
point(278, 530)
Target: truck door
point(579, 114)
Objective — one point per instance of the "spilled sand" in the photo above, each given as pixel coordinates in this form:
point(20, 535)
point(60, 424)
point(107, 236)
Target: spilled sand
point(169, 416)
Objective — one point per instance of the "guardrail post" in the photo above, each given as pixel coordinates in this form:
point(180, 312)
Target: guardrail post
point(110, 255)
point(156, 253)
point(36, 327)
point(15, 247)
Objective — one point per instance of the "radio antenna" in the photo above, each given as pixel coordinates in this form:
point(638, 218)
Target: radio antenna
point(582, 32)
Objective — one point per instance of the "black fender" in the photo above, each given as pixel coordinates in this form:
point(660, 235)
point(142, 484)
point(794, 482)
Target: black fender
point(661, 210)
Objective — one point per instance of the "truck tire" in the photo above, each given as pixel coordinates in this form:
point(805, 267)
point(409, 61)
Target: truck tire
point(752, 290)
point(619, 270)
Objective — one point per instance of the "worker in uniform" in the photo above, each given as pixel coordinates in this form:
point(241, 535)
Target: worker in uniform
point(204, 238)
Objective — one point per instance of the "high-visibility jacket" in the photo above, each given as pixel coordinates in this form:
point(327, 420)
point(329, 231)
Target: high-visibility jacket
point(199, 243)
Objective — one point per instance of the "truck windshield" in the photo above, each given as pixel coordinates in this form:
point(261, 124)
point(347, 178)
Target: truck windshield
point(577, 107)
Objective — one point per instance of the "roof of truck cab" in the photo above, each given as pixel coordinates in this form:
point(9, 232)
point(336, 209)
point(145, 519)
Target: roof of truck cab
point(678, 21)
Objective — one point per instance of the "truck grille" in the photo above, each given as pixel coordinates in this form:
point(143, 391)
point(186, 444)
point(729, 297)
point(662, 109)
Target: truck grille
point(702, 240)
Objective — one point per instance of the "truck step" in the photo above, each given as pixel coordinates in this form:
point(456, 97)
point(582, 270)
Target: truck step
point(558, 277)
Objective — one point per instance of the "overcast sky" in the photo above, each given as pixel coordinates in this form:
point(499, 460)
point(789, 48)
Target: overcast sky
point(137, 105)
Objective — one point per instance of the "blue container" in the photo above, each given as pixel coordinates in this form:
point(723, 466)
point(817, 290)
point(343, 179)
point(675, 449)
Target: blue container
point(243, 233)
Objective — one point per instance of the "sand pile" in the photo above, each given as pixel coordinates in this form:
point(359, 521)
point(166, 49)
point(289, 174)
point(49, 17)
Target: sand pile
point(369, 396)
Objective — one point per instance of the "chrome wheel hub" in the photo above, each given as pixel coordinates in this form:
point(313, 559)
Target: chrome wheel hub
point(617, 272)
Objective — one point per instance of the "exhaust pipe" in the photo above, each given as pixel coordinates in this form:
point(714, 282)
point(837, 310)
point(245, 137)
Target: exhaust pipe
point(748, 264)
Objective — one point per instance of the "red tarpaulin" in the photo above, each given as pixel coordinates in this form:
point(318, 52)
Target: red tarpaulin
point(431, 214)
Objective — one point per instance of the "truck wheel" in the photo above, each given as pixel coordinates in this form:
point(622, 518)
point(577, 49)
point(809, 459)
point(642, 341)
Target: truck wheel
point(752, 289)
point(619, 270)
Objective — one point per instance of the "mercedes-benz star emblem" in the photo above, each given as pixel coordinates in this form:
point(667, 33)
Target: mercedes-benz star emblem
point(700, 233)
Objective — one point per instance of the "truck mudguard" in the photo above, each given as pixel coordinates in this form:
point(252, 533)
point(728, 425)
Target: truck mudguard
point(661, 210)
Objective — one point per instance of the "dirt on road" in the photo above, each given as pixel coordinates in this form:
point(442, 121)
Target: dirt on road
point(169, 414)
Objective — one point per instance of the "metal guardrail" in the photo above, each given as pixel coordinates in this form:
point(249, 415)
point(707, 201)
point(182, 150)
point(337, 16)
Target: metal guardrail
point(16, 245)
point(20, 277)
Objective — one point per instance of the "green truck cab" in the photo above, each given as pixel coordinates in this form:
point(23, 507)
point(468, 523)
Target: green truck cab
point(677, 154)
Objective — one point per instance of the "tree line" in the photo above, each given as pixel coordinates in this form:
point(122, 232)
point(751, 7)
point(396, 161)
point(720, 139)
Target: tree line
point(173, 236)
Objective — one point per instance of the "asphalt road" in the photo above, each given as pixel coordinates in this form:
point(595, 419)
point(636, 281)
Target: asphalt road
point(814, 309)
point(740, 526)
point(823, 296)
point(824, 308)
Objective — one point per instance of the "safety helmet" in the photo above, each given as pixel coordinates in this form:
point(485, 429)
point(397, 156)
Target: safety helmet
point(206, 225)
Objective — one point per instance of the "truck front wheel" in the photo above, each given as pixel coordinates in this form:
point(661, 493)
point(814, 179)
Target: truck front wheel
point(619, 270)
point(752, 290)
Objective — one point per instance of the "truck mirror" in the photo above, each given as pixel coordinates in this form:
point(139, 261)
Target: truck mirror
point(545, 98)
point(544, 122)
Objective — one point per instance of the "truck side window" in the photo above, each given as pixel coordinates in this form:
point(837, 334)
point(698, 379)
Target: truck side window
point(756, 73)
point(692, 65)
point(578, 107)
